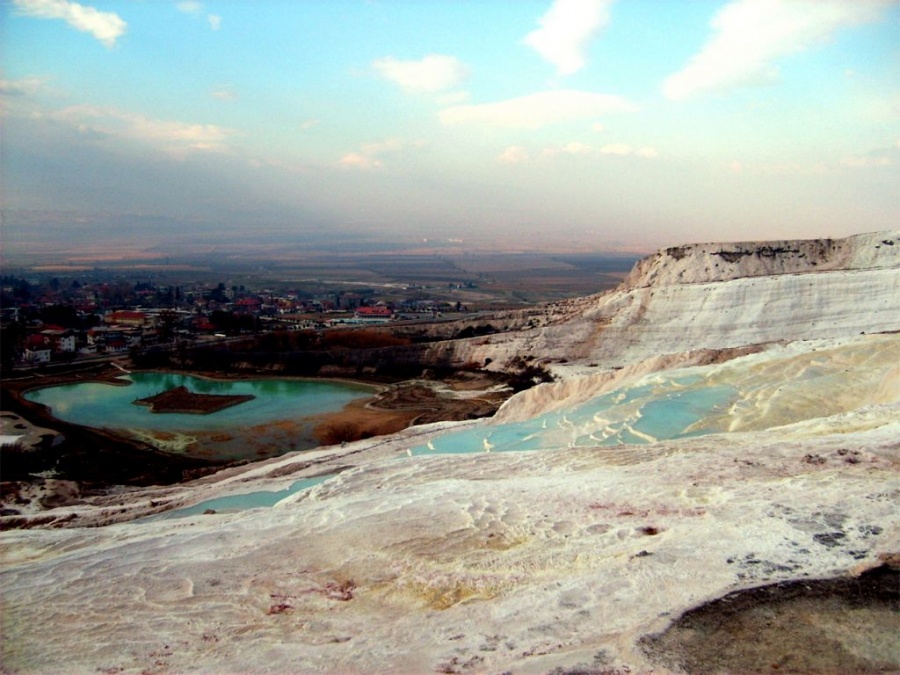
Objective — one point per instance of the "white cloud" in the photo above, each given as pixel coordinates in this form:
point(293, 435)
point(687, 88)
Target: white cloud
point(357, 160)
point(866, 162)
point(572, 148)
point(625, 150)
point(576, 148)
point(748, 35)
point(369, 155)
point(566, 30)
point(740, 167)
point(189, 7)
point(225, 94)
point(26, 86)
point(196, 8)
point(107, 27)
point(434, 72)
point(885, 156)
point(537, 110)
point(452, 98)
point(514, 154)
point(620, 149)
point(171, 136)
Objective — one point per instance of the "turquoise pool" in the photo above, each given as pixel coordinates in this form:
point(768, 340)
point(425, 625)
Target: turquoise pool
point(110, 406)
point(659, 409)
point(250, 500)
point(280, 418)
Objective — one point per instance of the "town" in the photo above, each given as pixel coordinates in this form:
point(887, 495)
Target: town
point(61, 319)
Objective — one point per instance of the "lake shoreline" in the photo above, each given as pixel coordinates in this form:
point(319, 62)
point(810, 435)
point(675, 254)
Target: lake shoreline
point(96, 460)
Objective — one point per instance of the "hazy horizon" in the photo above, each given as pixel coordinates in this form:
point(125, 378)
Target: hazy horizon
point(574, 125)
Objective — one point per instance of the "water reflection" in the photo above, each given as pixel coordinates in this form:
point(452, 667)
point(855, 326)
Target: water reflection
point(111, 406)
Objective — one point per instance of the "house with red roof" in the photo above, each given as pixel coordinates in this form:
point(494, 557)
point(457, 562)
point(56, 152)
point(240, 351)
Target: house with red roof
point(126, 317)
point(378, 314)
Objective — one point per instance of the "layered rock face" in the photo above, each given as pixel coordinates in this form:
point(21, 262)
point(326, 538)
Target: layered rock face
point(746, 438)
point(704, 263)
point(716, 296)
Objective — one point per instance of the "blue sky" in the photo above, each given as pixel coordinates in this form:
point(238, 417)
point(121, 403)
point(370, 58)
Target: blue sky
point(628, 123)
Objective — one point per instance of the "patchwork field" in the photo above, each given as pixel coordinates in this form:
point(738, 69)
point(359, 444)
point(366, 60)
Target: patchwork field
point(492, 279)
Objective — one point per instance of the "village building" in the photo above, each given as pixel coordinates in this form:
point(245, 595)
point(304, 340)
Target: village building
point(373, 315)
point(59, 339)
point(37, 349)
point(125, 317)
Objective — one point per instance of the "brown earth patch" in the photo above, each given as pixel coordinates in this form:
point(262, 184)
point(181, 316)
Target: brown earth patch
point(840, 625)
point(404, 404)
point(182, 400)
point(358, 420)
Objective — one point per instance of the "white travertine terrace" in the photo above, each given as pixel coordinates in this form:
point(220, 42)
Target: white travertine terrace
point(532, 561)
point(689, 298)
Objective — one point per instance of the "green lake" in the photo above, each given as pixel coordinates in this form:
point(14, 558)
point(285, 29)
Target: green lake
point(280, 418)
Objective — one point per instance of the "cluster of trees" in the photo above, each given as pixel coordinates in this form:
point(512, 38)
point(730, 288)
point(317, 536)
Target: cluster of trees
point(233, 323)
point(300, 353)
point(282, 341)
point(15, 291)
point(524, 373)
point(476, 331)
point(12, 337)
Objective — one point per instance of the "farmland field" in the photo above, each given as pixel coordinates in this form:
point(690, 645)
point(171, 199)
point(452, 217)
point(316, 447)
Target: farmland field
point(484, 279)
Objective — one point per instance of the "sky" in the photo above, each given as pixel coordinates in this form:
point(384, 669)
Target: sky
point(598, 124)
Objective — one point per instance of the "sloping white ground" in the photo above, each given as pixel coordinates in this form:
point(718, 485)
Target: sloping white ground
point(488, 562)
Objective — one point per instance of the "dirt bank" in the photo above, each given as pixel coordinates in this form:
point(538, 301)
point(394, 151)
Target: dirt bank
point(462, 397)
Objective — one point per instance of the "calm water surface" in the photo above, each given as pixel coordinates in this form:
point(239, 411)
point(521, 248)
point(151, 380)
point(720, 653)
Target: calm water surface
point(112, 407)
point(231, 503)
point(281, 418)
point(656, 408)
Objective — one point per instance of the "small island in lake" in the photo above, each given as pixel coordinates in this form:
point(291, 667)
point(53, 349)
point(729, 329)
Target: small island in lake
point(181, 400)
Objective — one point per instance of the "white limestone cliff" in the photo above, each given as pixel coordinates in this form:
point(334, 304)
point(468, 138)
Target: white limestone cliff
point(686, 300)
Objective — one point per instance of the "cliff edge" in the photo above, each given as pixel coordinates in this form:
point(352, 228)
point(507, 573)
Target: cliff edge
point(713, 297)
point(711, 262)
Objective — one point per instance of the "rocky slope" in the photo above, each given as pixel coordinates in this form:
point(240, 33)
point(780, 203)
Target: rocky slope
point(713, 296)
point(687, 304)
point(581, 554)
